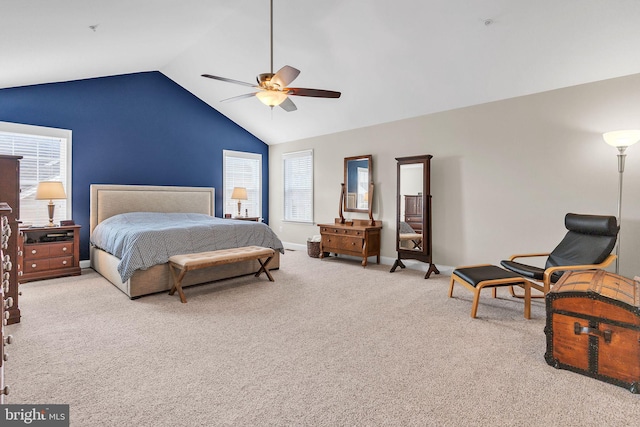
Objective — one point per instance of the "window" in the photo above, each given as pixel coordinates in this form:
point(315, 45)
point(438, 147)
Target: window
point(242, 170)
point(298, 186)
point(46, 156)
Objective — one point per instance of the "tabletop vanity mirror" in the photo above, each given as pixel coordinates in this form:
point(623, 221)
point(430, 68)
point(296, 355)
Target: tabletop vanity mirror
point(357, 177)
point(413, 214)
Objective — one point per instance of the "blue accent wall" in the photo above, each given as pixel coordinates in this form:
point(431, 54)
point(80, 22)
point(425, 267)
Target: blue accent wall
point(138, 128)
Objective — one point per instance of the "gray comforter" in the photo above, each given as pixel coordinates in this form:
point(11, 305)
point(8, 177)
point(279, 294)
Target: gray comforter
point(144, 239)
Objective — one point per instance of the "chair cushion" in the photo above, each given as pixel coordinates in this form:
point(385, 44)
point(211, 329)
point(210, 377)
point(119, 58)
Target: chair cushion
point(528, 271)
point(477, 274)
point(600, 225)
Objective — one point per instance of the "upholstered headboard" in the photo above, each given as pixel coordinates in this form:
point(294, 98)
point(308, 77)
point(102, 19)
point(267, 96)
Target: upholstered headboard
point(109, 200)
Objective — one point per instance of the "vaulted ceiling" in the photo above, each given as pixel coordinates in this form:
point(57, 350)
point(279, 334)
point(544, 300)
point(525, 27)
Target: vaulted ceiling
point(390, 59)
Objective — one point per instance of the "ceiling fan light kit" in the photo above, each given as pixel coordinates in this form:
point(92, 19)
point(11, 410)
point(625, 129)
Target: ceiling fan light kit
point(272, 88)
point(271, 98)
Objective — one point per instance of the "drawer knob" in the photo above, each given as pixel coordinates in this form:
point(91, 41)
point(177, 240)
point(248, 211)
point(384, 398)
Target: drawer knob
point(64, 249)
point(34, 251)
point(34, 265)
point(64, 262)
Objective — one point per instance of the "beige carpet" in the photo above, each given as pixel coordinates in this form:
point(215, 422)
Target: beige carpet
point(329, 343)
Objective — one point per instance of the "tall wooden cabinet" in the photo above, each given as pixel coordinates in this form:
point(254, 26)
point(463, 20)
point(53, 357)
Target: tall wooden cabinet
point(10, 194)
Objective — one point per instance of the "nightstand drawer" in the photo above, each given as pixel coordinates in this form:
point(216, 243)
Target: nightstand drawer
point(60, 249)
point(36, 265)
point(36, 251)
point(61, 262)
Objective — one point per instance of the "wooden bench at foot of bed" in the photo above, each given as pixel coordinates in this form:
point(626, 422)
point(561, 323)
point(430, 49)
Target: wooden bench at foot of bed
point(199, 260)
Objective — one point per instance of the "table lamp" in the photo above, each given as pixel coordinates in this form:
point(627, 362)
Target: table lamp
point(239, 193)
point(50, 190)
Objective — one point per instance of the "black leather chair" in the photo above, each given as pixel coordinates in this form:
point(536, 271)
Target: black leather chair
point(587, 245)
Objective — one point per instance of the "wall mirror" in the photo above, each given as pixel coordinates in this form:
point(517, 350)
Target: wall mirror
point(357, 177)
point(413, 214)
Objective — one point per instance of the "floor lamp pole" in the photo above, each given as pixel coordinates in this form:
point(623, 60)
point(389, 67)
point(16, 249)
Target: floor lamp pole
point(620, 139)
point(621, 157)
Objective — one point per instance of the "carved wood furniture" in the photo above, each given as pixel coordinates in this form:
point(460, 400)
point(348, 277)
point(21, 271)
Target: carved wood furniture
point(5, 269)
point(10, 194)
point(593, 327)
point(49, 252)
point(357, 238)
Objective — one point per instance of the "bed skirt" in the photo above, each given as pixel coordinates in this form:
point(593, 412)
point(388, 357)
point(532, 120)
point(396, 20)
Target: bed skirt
point(158, 278)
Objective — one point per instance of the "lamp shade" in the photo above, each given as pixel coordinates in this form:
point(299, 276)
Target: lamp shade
point(49, 190)
point(622, 138)
point(239, 193)
point(271, 97)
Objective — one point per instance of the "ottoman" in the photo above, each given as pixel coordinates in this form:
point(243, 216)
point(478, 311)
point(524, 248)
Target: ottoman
point(477, 277)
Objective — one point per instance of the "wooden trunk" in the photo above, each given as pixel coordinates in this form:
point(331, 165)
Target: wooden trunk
point(593, 327)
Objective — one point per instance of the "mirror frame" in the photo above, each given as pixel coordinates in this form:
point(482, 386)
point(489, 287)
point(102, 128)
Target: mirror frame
point(425, 254)
point(369, 158)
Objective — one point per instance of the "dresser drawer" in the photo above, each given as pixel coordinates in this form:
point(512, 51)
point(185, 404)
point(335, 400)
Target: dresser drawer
point(341, 231)
point(342, 244)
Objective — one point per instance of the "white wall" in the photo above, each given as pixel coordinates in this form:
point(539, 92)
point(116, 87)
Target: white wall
point(503, 174)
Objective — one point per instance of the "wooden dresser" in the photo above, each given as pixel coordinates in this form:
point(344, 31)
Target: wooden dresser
point(49, 252)
point(413, 212)
point(359, 239)
point(10, 194)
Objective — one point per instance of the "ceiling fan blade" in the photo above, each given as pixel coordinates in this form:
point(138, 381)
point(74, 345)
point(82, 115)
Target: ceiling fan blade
point(224, 79)
point(235, 98)
point(285, 76)
point(288, 105)
point(317, 93)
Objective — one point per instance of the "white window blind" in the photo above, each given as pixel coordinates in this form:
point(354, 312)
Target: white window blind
point(44, 158)
point(242, 169)
point(298, 186)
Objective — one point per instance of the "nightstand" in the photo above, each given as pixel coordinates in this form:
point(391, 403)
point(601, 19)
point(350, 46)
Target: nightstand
point(48, 252)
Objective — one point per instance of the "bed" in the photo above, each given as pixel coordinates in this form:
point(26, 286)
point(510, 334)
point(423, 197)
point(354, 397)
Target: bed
point(109, 201)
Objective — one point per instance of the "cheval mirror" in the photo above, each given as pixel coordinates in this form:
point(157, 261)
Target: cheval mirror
point(357, 177)
point(413, 214)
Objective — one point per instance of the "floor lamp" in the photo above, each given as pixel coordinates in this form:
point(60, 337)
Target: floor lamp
point(621, 139)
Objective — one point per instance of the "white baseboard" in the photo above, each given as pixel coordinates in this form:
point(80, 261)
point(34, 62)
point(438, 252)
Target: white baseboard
point(409, 263)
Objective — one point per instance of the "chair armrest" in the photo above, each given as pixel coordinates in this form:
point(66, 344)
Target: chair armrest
point(549, 271)
point(512, 257)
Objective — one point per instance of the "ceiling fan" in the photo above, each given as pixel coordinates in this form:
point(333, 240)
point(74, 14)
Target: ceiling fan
point(273, 88)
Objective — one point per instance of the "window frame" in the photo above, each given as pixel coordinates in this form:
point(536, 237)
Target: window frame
point(226, 192)
point(48, 132)
point(285, 157)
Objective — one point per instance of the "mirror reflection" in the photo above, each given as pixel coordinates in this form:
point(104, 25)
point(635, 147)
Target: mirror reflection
point(357, 176)
point(411, 207)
